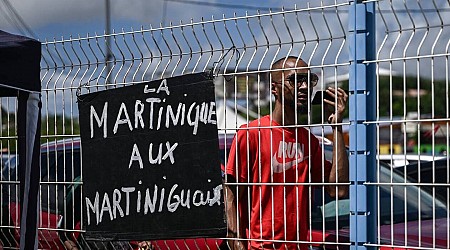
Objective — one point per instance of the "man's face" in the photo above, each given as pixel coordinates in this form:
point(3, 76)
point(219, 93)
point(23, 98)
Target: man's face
point(294, 87)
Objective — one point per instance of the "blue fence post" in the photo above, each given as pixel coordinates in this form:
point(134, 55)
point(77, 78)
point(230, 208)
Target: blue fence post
point(362, 107)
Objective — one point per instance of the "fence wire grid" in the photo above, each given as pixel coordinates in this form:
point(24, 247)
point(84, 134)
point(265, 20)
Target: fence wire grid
point(412, 116)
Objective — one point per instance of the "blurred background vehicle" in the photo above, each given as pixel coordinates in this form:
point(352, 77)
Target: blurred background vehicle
point(399, 160)
point(408, 213)
point(60, 163)
point(60, 181)
point(432, 176)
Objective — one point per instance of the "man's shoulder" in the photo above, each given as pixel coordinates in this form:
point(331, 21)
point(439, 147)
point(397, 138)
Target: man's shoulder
point(251, 128)
point(260, 122)
point(308, 134)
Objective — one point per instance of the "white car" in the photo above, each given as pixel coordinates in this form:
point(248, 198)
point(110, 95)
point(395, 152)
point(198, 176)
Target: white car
point(397, 160)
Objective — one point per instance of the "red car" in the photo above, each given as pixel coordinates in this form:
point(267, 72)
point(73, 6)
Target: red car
point(59, 163)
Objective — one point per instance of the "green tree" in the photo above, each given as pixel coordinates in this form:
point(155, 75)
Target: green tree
point(398, 96)
point(55, 127)
point(58, 127)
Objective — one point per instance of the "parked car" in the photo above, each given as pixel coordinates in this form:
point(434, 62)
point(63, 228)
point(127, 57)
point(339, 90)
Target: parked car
point(424, 215)
point(399, 160)
point(429, 173)
point(408, 215)
point(60, 163)
point(7, 234)
point(60, 172)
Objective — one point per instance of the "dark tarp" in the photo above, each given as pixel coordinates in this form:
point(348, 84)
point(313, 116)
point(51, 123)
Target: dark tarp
point(20, 77)
point(19, 64)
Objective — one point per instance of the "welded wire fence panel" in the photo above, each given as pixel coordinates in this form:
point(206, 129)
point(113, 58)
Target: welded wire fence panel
point(239, 51)
point(412, 121)
point(9, 184)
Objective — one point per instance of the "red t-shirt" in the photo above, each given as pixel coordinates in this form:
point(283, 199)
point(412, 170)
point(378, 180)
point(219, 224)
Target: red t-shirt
point(274, 162)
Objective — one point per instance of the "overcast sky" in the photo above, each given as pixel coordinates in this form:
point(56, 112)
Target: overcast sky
point(49, 19)
point(56, 18)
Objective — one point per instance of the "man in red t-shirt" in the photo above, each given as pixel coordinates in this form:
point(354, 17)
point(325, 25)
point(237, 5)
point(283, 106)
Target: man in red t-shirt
point(272, 161)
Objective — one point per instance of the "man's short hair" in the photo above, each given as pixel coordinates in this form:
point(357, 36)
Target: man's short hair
point(278, 64)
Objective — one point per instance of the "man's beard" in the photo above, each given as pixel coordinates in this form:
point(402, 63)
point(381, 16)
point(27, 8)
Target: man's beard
point(303, 109)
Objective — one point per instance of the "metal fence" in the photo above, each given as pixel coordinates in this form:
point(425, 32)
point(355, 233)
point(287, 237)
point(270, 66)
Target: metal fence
point(405, 207)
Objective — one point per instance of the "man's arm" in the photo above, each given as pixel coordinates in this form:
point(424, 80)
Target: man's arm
point(339, 168)
point(232, 216)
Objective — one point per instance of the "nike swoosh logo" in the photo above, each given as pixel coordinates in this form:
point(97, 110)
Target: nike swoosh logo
point(279, 167)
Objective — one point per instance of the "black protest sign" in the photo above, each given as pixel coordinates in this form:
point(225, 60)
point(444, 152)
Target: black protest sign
point(150, 157)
